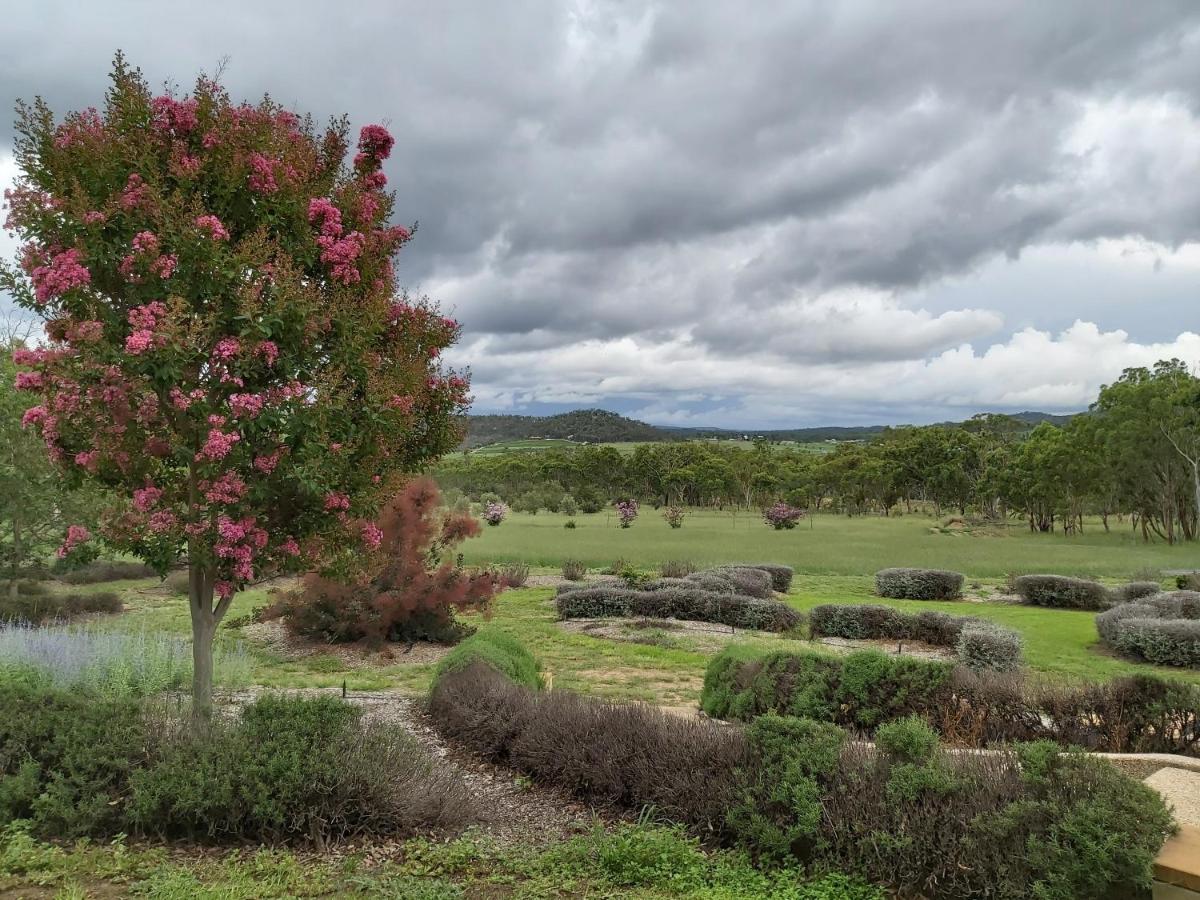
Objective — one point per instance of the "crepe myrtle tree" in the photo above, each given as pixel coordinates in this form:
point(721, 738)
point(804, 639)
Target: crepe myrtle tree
point(225, 347)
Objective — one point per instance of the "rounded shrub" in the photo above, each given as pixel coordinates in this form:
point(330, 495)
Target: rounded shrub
point(918, 584)
point(1062, 592)
point(1163, 629)
point(1135, 590)
point(987, 647)
point(501, 651)
point(907, 740)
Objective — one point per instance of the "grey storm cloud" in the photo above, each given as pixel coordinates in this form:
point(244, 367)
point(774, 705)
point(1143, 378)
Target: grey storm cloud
point(708, 177)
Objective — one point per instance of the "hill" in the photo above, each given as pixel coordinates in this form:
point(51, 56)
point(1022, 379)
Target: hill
point(598, 426)
point(593, 426)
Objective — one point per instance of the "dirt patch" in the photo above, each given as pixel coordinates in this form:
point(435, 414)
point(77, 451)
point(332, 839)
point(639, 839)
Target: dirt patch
point(915, 649)
point(276, 638)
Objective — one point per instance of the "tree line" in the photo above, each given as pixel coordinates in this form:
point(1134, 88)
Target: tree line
point(1133, 457)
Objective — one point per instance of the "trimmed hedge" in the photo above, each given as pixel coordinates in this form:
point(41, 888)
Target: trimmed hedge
point(929, 823)
point(629, 755)
point(74, 764)
point(733, 580)
point(44, 606)
point(670, 601)
point(1062, 592)
point(918, 584)
point(987, 645)
point(501, 651)
point(984, 646)
point(1139, 714)
point(1135, 590)
point(781, 576)
point(1034, 823)
point(1163, 629)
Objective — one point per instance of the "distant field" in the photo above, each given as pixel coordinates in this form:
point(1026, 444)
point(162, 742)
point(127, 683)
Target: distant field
point(824, 545)
point(523, 445)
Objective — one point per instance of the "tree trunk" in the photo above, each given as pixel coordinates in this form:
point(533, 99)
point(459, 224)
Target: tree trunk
point(204, 628)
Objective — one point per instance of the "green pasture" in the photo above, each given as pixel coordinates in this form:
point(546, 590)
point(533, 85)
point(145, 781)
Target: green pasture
point(826, 544)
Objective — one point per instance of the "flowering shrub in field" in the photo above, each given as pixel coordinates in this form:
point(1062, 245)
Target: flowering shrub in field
point(495, 512)
point(226, 348)
point(627, 511)
point(781, 516)
point(674, 516)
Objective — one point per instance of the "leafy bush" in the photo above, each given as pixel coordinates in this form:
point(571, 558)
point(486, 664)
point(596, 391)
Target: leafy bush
point(1062, 592)
point(677, 568)
point(689, 602)
point(502, 652)
point(494, 512)
point(405, 592)
point(513, 575)
point(781, 576)
point(1189, 582)
point(918, 584)
point(907, 740)
point(627, 511)
point(988, 647)
point(292, 768)
point(782, 516)
point(1135, 590)
point(46, 605)
point(567, 505)
point(574, 570)
point(569, 525)
point(1141, 714)
point(635, 756)
point(65, 758)
point(673, 516)
point(82, 658)
point(177, 583)
point(751, 582)
point(1162, 629)
point(860, 690)
point(106, 570)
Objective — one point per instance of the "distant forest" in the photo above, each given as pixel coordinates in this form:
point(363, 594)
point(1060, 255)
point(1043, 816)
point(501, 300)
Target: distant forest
point(598, 426)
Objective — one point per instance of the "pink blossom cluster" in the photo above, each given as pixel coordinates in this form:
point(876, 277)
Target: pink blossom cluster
point(494, 512)
point(226, 349)
point(322, 210)
point(228, 489)
point(262, 174)
point(88, 459)
point(267, 462)
point(162, 520)
point(135, 192)
point(782, 516)
point(186, 164)
point(76, 535)
point(217, 445)
point(269, 350)
point(337, 500)
point(372, 536)
point(29, 381)
point(340, 255)
point(87, 331)
point(182, 401)
point(33, 416)
point(144, 320)
point(375, 142)
point(94, 217)
point(289, 546)
point(178, 116)
point(404, 403)
point(238, 543)
point(246, 406)
point(145, 499)
point(81, 127)
point(213, 225)
point(64, 272)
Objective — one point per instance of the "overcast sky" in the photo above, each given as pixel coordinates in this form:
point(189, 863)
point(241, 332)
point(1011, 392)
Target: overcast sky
point(766, 214)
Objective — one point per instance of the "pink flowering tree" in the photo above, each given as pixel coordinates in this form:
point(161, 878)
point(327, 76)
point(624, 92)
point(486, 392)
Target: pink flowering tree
point(226, 350)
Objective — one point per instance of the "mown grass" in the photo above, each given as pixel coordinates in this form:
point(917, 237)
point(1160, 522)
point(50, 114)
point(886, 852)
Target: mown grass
point(629, 861)
point(824, 545)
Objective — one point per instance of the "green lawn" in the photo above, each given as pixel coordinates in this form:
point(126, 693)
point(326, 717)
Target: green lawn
point(824, 545)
